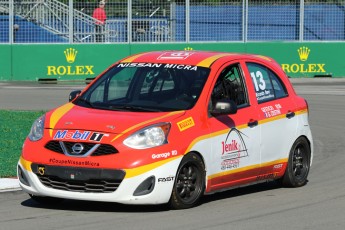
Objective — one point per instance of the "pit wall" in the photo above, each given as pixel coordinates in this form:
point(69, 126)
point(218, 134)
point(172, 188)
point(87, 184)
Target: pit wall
point(71, 62)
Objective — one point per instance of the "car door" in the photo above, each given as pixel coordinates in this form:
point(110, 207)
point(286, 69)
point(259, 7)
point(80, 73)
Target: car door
point(277, 118)
point(235, 138)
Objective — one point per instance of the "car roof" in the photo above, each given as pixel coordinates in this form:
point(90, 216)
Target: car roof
point(194, 58)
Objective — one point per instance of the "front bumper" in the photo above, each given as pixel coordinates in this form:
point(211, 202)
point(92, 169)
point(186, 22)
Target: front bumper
point(121, 186)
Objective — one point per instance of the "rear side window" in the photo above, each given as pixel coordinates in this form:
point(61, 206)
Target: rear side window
point(266, 83)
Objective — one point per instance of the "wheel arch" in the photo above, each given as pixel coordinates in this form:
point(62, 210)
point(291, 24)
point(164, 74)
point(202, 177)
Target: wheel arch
point(191, 165)
point(203, 161)
point(309, 144)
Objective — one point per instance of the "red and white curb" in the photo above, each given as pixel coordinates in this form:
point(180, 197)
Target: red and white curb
point(9, 184)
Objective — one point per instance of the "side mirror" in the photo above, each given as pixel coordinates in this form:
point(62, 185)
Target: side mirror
point(73, 95)
point(224, 106)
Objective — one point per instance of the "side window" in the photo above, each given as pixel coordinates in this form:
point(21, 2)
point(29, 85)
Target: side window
point(230, 85)
point(266, 83)
point(98, 94)
point(279, 88)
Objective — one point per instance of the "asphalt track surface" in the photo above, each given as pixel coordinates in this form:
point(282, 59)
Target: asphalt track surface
point(319, 205)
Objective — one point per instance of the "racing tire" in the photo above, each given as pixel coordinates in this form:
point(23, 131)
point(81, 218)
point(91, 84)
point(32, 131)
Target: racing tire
point(189, 183)
point(46, 200)
point(298, 165)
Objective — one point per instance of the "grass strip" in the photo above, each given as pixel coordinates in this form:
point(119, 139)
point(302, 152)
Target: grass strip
point(14, 128)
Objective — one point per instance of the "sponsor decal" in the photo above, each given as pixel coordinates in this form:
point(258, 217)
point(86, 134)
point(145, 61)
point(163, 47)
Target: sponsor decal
point(264, 95)
point(267, 176)
point(234, 146)
point(73, 162)
point(185, 124)
point(164, 155)
point(74, 135)
point(178, 66)
point(303, 53)
point(138, 65)
point(270, 111)
point(41, 170)
point(278, 166)
point(70, 70)
point(166, 179)
point(260, 86)
point(182, 55)
point(157, 65)
point(230, 164)
point(97, 137)
point(78, 135)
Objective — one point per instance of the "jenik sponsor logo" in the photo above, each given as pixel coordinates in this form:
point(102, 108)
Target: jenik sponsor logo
point(230, 147)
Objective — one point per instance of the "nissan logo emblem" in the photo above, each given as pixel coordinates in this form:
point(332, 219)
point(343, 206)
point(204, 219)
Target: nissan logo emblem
point(77, 148)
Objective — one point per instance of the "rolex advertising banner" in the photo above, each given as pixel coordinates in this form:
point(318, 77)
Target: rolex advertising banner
point(63, 62)
point(5, 62)
point(304, 59)
point(79, 62)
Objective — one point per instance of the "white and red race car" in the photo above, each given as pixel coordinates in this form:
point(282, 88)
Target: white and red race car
point(169, 127)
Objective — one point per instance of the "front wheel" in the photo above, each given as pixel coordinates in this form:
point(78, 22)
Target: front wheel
point(189, 183)
point(299, 163)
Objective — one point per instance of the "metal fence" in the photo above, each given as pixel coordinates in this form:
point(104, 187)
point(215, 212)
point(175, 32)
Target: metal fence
point(164, 21)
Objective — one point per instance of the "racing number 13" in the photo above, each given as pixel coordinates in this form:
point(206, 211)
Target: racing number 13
point(258, 77)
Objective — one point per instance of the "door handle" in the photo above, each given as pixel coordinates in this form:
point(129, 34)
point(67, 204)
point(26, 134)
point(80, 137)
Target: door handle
point(290, 115)
point(252, 123)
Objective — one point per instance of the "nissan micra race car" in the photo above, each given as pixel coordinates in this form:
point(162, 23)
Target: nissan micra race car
point(169, 127)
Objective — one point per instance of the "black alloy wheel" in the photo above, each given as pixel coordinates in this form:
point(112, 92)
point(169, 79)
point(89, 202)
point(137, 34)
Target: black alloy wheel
point(189, 183)
point(299, 163)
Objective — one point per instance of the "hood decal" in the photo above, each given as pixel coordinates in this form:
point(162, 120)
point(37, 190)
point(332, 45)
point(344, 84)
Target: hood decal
point(146, 122)
point(132, 58)
point(57, 114)
point(209, 61)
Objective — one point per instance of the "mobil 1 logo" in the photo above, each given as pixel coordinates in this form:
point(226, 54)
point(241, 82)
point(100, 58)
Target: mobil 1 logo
point(96, 137)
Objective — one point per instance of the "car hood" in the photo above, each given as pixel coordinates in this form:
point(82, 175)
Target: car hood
point(73, 117)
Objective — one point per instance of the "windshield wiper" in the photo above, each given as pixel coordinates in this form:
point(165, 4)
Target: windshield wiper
point(132, 108)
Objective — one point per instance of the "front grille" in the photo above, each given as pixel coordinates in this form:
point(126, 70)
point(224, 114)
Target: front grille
point(73, 179)
point(54, 146)
point(65, 147)
point(104, 149)
point(96, 186)
point(69, 145)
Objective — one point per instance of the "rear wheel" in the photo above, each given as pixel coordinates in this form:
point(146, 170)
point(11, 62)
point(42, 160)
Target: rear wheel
point(189, 183)
point(299, 163)
point(46, 200)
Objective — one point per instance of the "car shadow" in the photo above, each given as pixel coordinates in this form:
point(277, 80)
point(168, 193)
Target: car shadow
point(242, 191)
point(93, 206)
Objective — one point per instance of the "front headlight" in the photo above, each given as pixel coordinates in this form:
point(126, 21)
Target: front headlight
point(36, 132)
point(149, 137)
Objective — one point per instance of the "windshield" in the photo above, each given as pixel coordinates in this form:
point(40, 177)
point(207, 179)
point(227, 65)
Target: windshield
point(146, 87)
